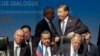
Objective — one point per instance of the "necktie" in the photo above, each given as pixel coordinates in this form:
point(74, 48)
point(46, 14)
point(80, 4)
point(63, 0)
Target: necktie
point(88, 48)
point(51, 28)
point(46, 52)
point(16, 48)
point(74, 54)
point(30, 46)
point(87, 51)
point(63, 27)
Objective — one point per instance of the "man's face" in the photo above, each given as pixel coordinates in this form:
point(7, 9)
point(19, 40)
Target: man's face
point(45, 39)
point(62, 14)
point(18, 37)
point(27, 33)
point(76, 42)
point(50, 15)
point(87, 37)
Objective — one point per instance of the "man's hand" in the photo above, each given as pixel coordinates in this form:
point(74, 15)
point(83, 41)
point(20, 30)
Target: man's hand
point(57, 39)
point(70, 35)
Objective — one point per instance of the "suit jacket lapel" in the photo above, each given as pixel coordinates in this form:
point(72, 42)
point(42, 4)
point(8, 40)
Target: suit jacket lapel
point(12, 50)
point(91, 49)
point(51, 51)
point(68, 25)
point(59, 28)
point(22, 51)
point(69, 49)
point(46, 23)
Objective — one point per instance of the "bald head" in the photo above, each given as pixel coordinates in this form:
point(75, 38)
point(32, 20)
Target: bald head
point(18, 36)
point(76, 41)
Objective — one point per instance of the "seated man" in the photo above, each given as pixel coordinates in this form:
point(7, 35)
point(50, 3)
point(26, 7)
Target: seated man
point(73, 48)
point(16, 47)
point(89, 48)
point(4, 43)
point(28, 38)
point(44, 48)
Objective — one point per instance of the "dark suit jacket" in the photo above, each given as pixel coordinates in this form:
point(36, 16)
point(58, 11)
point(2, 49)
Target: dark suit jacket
point(93, 50)
point(65, 50)
point(31, 43)
point(73, 25)
point(54, 50)
point(40, 27)
point(23, 52)
point(98, 42)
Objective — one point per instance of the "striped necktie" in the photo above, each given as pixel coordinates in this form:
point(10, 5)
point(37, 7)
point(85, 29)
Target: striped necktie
point(16, 48)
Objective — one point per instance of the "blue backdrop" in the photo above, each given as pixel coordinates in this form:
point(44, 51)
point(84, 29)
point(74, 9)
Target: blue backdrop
point(14, 14)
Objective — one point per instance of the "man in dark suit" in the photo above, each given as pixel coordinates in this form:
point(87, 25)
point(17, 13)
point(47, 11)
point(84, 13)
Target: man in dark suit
point(44, 48)
point(45, 24)
point(16, 46)
point(68, 25)
point(72, 49)
point(28, 38)
point(89, 48)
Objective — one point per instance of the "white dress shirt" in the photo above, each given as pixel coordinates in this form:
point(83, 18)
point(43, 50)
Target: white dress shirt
point(72, 51)
point(65, 23)
point(46, 19)
point(48, 50)
point(18, 49)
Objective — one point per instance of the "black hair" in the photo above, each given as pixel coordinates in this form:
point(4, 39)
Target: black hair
point(26, 26)
point(46, 10)
point(66, 8)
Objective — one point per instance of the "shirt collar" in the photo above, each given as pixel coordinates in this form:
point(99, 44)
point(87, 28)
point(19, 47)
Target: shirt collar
point(46, 46)
point(66, 19)
point(46, 19)
point(15, 44)
point(72, 48)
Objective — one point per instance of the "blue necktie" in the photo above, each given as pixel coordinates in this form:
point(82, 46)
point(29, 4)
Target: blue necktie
point(46, 52)
point(63, 27)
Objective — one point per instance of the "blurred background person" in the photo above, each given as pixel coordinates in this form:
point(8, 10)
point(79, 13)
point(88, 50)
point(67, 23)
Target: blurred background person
point(89, 48)
point(44, 48)
point(28, 38)
point(67, 25)
point(16, 46)
point(73, 48)
point(4, 46)
point(45, 24)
